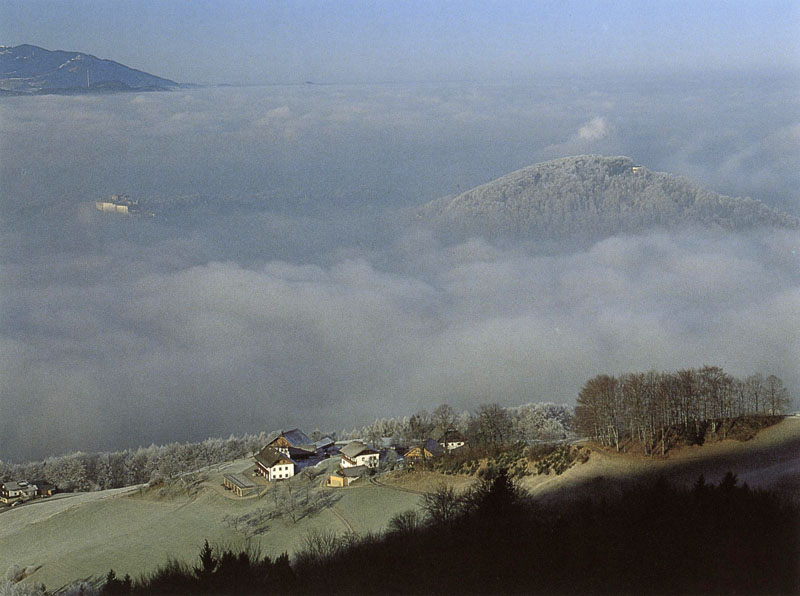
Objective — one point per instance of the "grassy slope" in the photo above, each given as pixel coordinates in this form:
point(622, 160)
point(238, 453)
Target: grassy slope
point(85, 535)
point(771, 461)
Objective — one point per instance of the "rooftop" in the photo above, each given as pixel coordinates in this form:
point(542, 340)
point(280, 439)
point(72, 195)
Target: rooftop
point(240, 480)
point(355, 449)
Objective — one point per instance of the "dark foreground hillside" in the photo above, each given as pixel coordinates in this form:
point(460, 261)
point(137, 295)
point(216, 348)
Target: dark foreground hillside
point(649, 539)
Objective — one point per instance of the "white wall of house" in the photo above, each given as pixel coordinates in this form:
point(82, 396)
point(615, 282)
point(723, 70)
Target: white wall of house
point(281, 471)
point(370, 460)
point(367, 459)
point(454, 445)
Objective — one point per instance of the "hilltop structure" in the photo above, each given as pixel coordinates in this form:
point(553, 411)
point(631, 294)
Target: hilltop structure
point(120, 203)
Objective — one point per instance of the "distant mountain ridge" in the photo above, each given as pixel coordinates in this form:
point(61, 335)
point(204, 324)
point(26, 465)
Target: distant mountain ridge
point(591, 195)
point(28, 69)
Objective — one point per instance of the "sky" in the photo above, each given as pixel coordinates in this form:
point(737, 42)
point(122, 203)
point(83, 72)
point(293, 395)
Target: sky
point(298, 294)
point(264, 42)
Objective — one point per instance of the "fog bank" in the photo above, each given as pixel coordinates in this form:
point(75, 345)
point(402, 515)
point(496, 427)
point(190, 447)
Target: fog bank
point(309, 304)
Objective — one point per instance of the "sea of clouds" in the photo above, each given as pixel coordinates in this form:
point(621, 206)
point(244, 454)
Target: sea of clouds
point(316, 308)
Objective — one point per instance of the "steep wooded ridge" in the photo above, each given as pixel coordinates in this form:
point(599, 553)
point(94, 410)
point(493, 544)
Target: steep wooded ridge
point(28, 69)
point(595, 196)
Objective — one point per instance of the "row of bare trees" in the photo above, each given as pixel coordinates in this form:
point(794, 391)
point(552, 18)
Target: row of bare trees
point(645, 406)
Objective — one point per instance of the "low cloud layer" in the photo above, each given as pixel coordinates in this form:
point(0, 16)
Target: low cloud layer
point(173, 353)
point(596, 128)
point(392, 145)
point(308, 309)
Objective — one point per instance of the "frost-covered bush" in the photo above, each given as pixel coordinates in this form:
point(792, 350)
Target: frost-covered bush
point(9, 588)
point(80, 589)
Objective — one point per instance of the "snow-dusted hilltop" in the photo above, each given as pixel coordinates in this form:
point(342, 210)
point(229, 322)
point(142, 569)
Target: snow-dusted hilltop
point(591, 195)
point(30, 69)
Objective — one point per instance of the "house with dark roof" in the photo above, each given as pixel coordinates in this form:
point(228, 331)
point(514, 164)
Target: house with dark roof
point(429, 450)
point(357, 453)
point(274, 465)
point(325, 446)
point(16, 491)
point(451, 439)
point(45, 489)
point(294, 443)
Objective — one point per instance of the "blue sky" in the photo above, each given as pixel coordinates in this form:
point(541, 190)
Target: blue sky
point(348, 41)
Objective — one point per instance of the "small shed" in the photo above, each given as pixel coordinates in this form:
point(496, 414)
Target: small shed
point(345, 476)
point(241, 485)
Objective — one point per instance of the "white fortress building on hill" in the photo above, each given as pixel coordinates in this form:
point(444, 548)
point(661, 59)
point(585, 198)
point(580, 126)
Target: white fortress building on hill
point(117, 204)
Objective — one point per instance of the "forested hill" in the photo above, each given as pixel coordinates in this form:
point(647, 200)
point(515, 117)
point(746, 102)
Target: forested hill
point(28, 69)
point(591, 195)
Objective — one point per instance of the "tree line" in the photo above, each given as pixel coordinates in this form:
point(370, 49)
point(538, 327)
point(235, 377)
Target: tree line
point(649, 407)
point(490, 423)
point(99, 471)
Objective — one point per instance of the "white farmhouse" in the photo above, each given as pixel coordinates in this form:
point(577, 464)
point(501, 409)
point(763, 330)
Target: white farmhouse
point(357, 454)
point(274, 465)
point(16, 491)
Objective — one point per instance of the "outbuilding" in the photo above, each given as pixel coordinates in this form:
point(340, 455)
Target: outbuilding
point(346, 476)
point(241, 485)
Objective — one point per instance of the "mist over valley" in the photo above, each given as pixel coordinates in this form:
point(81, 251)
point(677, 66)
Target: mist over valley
point(286, 279)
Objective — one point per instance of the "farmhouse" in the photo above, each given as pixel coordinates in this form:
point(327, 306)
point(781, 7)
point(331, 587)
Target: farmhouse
point(451, 439)
point(429, 450)
point(274, 465)
point(357, 454)
point(241, 485)
point(325, 446)
point(45, 489)
point(16, 491)
point(294, 443)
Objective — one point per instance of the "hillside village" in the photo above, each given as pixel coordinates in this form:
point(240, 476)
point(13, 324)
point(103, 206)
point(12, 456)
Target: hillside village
point(398, 442)
point(284, 455)
point(292, 450)
point(278, 491)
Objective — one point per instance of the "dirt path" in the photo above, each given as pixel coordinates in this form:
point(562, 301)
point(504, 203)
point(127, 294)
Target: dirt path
point(341, 517)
